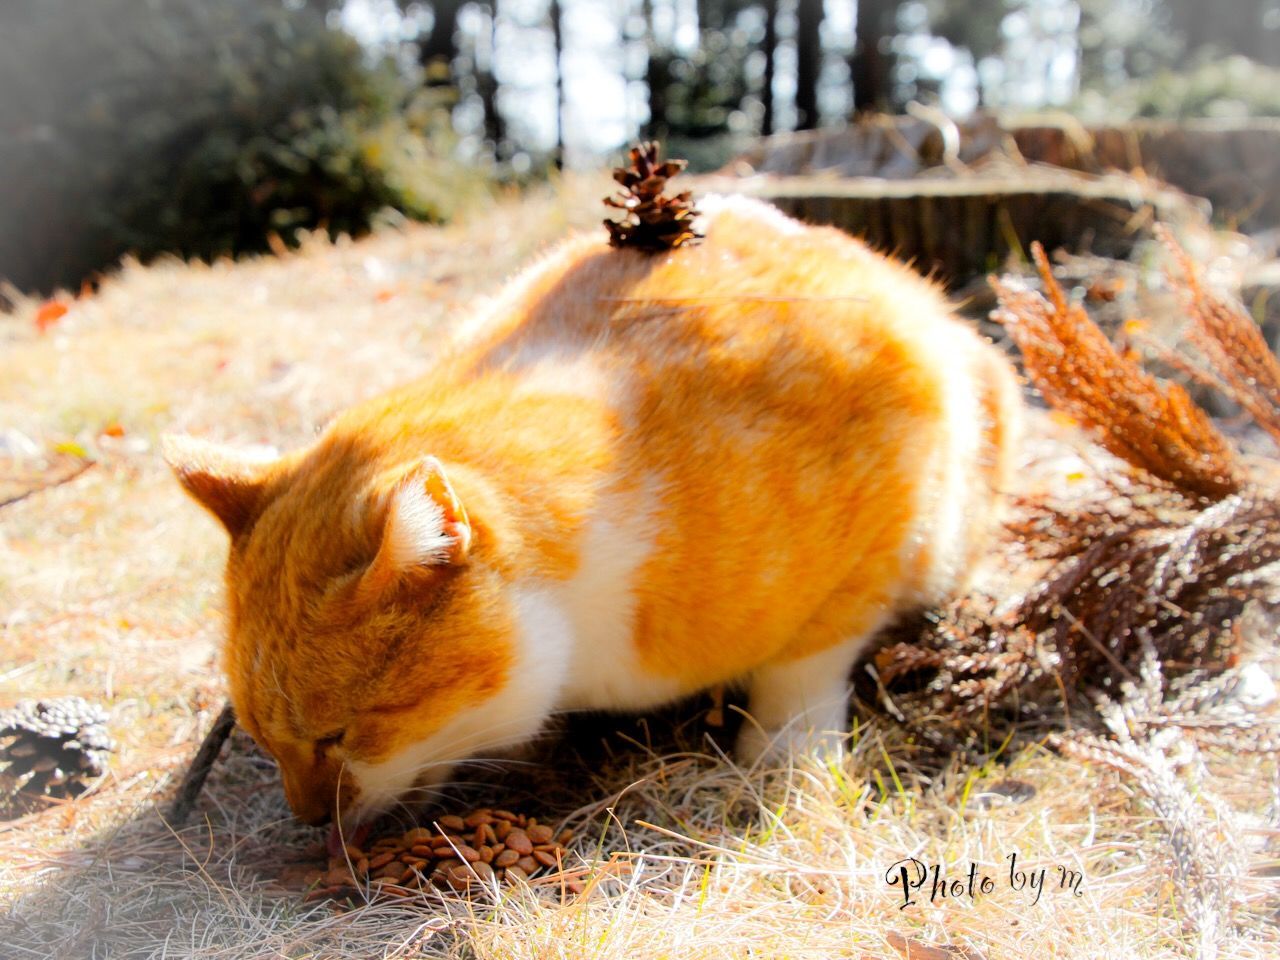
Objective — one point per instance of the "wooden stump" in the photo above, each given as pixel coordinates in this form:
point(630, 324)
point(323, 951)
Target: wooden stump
point(1234, 164)
point(958, 228)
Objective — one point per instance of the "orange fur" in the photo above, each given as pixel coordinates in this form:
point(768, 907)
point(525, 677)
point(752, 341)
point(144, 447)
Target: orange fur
point(748, 453)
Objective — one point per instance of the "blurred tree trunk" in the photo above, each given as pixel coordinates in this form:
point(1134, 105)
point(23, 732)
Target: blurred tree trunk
point(1090, 59)
point(437, 51)
point(871, 67)
point(1195, 20)
point(770, 45)
point(1244, 32)
point(557, 34)
point(808, 61)
point(495, 129)
point(656, 78)
point(1202, 24)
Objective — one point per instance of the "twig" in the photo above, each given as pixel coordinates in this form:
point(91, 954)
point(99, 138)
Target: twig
point(85, 465)
point(198, 772)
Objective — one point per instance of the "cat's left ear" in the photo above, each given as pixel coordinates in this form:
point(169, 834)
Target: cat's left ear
point(229, 483)
point(426, 527)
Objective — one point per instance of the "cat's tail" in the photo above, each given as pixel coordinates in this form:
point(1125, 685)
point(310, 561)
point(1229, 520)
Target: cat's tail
point(1000, 407)
point(965, 499)
point(1000, 401)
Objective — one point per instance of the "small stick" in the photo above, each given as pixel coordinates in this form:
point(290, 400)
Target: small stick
point(715, 715)
point(41, 488)
point(198, 772)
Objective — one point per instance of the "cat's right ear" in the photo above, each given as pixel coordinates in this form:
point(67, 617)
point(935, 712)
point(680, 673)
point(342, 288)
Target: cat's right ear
point(227, 482)
point(425, 529)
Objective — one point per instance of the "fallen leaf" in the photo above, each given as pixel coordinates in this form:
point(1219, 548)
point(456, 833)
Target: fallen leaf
point(912, 949)
point(1007, 790)
point(304, 875)
point(72, 448)
point(1105, 290)
point(277, 245)
point(49, 313)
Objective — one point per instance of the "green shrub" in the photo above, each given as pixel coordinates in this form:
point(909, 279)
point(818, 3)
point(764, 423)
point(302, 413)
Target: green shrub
point(200, 127)
point(1234, 87)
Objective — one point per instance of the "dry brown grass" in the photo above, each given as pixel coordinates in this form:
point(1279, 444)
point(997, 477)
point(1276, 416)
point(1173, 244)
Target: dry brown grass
point(109, 588)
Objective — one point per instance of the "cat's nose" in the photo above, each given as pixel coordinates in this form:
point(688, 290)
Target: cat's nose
point(309, 806)
point(311, 812)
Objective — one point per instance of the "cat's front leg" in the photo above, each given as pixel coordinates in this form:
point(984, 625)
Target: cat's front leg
point(798, 705)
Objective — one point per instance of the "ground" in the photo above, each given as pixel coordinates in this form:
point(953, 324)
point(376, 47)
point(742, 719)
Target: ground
point(110, 588)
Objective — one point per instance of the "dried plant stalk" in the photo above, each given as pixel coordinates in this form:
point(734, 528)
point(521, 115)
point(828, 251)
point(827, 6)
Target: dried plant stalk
point(1231, 342)
point(1182, 576)
point(1150, 571)
point(1154, 738)
point(1156, 566)
point(1078, 371)
point(1207, 862)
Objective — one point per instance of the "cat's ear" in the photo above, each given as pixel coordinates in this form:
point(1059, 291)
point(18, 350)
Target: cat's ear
point(227, 482)
point(426, 527)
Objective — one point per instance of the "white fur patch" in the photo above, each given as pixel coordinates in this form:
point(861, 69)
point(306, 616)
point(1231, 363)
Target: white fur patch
point(950, 495)
point(561, 375)
point(574, 650)
point(415, 530)
point(801, 703)
point(511, 717)
point(959, 483)
point(599, 602)
point(714, 205)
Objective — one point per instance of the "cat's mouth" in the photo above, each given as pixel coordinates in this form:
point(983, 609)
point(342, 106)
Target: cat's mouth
point(339, 838)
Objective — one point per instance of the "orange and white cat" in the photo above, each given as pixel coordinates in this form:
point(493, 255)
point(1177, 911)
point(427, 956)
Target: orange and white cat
point(632, 477)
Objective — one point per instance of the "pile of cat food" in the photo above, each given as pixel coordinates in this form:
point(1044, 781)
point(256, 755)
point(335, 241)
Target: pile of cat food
point(455, 853)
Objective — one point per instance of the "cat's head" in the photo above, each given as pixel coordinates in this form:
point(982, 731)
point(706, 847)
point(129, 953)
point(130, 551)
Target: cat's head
point(370, 643)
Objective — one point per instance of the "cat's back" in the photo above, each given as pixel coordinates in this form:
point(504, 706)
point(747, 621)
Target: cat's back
point(754, 445)
point(760, 293)
point(802, 429)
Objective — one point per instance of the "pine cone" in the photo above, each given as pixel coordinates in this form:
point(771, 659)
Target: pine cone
point(653, 222)
point(52, 747)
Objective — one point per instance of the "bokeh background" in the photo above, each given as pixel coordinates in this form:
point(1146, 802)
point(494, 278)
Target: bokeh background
point(210, 127)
